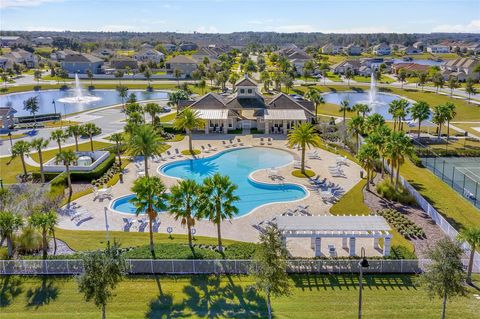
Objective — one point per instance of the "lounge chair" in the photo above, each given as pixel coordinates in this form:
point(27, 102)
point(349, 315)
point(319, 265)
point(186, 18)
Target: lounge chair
point(269, 141)
point(211, 148)
point(204, 149)
point(170, 155)
point(240, 142)
point(225, 144)
point(262, 142)
point(177, 153)
point(232, 143)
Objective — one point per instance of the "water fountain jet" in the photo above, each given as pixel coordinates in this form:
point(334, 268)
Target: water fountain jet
point(78, 95)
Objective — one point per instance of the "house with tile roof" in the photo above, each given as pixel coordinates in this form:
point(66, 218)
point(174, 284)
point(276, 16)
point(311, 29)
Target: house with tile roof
point(248, 109)
point(75, 62)
point(461, 68)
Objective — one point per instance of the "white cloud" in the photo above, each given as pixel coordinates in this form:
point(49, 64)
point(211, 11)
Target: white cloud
point(473, 26)
point(23, 3)
point(295, 28)
point(207, 29)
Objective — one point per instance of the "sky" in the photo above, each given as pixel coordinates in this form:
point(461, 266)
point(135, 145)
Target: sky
point(225, 16)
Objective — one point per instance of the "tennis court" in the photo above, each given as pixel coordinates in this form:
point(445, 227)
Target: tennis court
point(461, 173)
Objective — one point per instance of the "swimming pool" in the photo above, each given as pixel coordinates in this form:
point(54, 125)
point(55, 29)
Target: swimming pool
point(238, 164)
point(123, 205)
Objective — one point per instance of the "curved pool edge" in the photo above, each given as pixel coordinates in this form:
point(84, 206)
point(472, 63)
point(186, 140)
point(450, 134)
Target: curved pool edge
point(111, 209)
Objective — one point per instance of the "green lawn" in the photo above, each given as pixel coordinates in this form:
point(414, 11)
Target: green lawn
point(82, 240)
point(333, 109)
point(9, 169)
point(312, 296)
point(168, 118)
point(458, 211)
point(333, 77)
point(82, 146)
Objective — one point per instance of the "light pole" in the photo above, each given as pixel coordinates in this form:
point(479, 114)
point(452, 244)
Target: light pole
point(105, 209)
point(54, 107)
point(10, 138)
point(363, 264)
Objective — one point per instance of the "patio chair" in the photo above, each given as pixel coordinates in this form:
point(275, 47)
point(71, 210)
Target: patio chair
point(269, 141)
point(211, 148)
point(262, 142)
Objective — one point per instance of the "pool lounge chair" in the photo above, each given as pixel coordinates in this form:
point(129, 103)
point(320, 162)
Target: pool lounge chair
point(269, 141)
point(240, 143)
point(211, 148)
point(204, 149)
point(170, 155)
point(233, 143)
point(262, 141)
point(177, 153)
point(225, 144)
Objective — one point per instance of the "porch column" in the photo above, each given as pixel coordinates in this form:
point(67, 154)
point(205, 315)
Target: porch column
point(312, 243)
point(267, 128)
point(375, 243)
point(225, 126)
point(284, 127)
point(345, 243)
point(386, 246)
point(351, 250)
point(318, 246)
point(207, 126)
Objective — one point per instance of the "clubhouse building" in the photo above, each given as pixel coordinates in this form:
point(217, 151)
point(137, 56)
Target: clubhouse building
point(248, 110)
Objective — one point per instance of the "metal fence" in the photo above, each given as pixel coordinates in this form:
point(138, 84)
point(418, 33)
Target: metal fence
point(179, 267)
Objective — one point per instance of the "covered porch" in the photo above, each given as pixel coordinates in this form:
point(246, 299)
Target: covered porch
point(346, 228)
point(216, 120)
point(281, 121)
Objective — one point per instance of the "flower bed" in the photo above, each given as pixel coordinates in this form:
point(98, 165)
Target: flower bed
point(402, 224)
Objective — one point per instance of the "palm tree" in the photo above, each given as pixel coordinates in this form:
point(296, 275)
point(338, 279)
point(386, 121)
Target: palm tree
point(202, 85)
point(422, 79)
point(304, 135)
point(472, 237)
point(368, 155)
point(177, 73)
point(45, 222)
point(398, 146)
point(144, 141)
point(123, 93)
point(420, 111)
point(438, 81)
point(184, 204)
point(148, 75)
point(90, 77)
point(450, 114)
point(20, 149)
point(119, 140)
point(67, 157)
point(38, 144)
point(344, 107)
point(9, 224)
point(75, 131)
point(439, 117)
point(314, 96)
point(90, 129)
point(378, 138)
point(150, 197)
point(217, 201)
point(470, 88)
point(153, 109)
point(357, 127)
point(233, 79)
point(188, 120)
point(401, 112)
point(31, 105)
point(349, 75)
point(452, 84)
point(393, 109)
point(402, 76)
point(58, 136)
point(373, 122)
point(361, 108)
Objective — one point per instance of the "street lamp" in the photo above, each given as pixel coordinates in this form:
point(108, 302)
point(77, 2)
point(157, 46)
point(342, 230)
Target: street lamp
point(363, 264)
point(10, 138)
point(54, 107)
point(105, 209)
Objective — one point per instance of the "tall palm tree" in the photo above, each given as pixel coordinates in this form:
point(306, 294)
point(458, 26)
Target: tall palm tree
point(314, 96)
point(184, 203)
point(420, 111)
point(368, 155)
point(9, 224)
point(119, 139)
point(123, 93)
point(145, 141)
point(233, 79)
point(378, 138)
point(45, 222)
point(153, 109)
point(393, 111)
point(217, 201)
point(361, 108)
point(374, 122)
point(188, 120)
point(304, 135)
point(39, 144)
point(20, 149)
point(357, 127)
point(75, 131)
point(31, 105)
point(472, 237)
point(398, 146)
point(349, 75)
point(402, 112)
point(450, 114)
point(67, 157)
point(439, 117)
point(344, 107)
point(58, 136)
point(90, 129)
point(150, 198)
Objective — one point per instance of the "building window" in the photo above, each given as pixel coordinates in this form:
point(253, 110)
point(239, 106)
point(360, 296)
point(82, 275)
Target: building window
point(242, 91)
point(249, 91)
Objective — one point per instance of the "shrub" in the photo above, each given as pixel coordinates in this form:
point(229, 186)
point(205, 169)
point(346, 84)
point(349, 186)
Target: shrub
point(29, 240)
point(401, 252)
point(403, 225)
point(387, 190)
point(416, 160)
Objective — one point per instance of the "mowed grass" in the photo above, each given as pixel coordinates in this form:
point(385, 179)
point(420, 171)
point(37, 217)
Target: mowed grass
point(9, 169)
point(84, 240)
point(457, 211)
point(312, 296)
point(82, 146)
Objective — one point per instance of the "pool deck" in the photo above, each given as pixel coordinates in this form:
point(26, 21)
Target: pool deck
point(241, 228)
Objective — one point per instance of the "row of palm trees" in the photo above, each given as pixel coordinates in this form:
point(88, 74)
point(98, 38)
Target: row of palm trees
point(188, 201)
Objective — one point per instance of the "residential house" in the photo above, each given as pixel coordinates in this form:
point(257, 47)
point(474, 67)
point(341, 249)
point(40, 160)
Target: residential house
point(248, 109)
point(170, 47)
point(296, 56)
point(438, 48)
point(331, 49)
point(21, 56)
point(6, 117)
point(81, 62)
point(43, 41)
point(6, 62)
point(104, 53)
point(123, 62)
point(353, 49)
point(409, 67)
point(11, 41)
point(382, 49)
point(419, 45)
point(183, 63)
point(212, 52)
point(343, 66)
point(61, 54)
point(461, 68)
point(187, 46)
point(146, 46)
point(411, 50)
point(149, 55)
point(365, 70)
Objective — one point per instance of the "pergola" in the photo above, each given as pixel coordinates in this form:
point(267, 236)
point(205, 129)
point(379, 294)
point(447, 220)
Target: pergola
point(349, 228)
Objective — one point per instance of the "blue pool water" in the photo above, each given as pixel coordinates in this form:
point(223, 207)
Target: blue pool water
point(123, 205)
point(45, 98)
point(238, 164)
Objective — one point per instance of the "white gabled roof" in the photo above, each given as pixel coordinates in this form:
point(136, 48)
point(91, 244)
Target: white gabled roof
point(214, 114)
point(285, 114)
point(332, 223)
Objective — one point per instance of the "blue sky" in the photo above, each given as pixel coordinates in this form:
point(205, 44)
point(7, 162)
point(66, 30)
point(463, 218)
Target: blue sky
point(223, 16)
